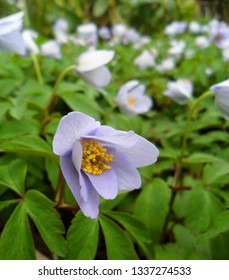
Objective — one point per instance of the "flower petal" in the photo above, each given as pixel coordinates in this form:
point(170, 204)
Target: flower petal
point(13, 42)
point(93, 59)
point(77, 153)
point(120, 138)
point(98, 77)
point(70, 129)
point(142, 153)
point(222, 87)
point(11, 23)
point(105, 184)
point(127, 175)
point(89, 208)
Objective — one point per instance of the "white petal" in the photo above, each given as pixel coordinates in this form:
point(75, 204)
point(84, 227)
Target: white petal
point(93, 59)
point(11, 23)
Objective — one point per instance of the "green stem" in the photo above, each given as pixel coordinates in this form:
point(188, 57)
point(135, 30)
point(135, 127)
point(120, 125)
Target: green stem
point(189, 118)
point(37, 68)
point(59, 195)
point(54, 97)
point(186, 134)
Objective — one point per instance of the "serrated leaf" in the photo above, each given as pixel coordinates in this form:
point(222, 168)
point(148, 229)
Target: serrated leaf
point(118, 244)
point(152, 206)
point(29, 144)
point(16, 241)
point(82, 238)
point(47, 220)
point(13, 176)
point(220, 224)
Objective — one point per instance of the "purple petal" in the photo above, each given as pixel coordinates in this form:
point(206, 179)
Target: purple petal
point(70, 129)
point(77, 153)
point(119, 138)
point(105, 184)
point(127, 175)
point(98, 77)
point(89, 208)
point(142, 153)
point(13, 42)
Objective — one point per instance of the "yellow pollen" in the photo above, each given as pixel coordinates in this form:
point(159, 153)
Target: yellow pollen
point(131, 101)
point(95, 158)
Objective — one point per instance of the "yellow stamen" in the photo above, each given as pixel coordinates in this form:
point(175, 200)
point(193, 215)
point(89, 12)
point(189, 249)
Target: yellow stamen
point(131, 101)
point(95, 157)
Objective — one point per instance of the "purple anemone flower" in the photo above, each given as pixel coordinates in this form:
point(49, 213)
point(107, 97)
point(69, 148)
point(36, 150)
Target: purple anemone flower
point(99, 160)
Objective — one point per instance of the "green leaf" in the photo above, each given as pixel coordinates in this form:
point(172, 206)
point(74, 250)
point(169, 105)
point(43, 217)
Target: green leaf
point(170, 251)
point(47, 220)
point(5, 204)
point(220, 224)
point(118, 244)
point(136, 228)
point(139, 231)
point(15, 128)
point(79, 102)
point(212, 172)
point(7, 86)
point(202, 208)
point(13, 176)
point(16, 241)
point(202, 158)
point(100, 7)
point(152, 206)
point(219, 246)
point(32, 145)
point(82, 238)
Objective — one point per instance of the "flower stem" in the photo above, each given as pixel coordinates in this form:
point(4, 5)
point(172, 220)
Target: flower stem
point(37, 68)
point(177, 176)
point(189, 118)
point(186, 134)
point(54, 98)
point(59, 195)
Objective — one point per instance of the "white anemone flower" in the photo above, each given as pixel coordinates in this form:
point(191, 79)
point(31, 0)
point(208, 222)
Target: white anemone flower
point(202, 42)
point(10, 34)
point(195, 27)
point(177, 48)
point(88, 34)
point(51, 48)
point(166, 65)
point(145, 60)
point(90, 67)
point(180, 91)
point(60, 30)
point(29, 36)
point(222, 97)
point(132, 100)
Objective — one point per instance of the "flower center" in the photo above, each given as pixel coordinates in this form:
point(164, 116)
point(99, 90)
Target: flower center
point(218, 38)
point(131, 101)
point(95, 158)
